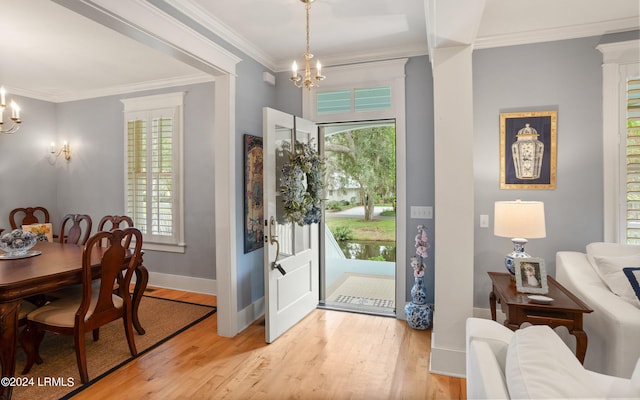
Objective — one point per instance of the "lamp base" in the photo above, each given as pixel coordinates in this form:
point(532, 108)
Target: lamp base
point(518, 252)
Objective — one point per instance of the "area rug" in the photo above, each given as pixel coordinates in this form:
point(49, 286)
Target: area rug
point(363, 301)
point(57, 377)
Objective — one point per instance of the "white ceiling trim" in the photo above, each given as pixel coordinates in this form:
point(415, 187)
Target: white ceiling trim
point(149, 20)
point(112, 90)
point(194, 11)
point(548, 35)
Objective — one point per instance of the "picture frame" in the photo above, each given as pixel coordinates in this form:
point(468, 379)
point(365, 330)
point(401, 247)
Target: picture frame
point(531, 275)
point(523, 163)
point(253, 198)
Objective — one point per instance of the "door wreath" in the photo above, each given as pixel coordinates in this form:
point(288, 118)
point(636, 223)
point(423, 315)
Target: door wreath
point(301, 185)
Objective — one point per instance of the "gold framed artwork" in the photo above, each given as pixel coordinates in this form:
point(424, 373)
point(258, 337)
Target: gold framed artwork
point(528, 150)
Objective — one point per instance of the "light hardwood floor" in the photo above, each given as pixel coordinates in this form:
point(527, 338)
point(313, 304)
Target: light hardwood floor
point(329, 355)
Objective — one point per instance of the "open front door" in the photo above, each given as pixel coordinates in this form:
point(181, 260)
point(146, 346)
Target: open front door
point(291, 256)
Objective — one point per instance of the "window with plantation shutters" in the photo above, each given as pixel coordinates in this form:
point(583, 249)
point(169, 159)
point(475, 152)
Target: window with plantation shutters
point(153, 192)
point(633, 162)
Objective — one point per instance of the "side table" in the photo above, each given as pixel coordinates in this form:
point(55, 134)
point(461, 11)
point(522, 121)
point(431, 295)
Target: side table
point(565, 310)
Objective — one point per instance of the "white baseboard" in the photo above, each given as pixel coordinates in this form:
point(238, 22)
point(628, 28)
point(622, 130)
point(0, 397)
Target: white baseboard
point(185, 283)
point(486, 314)
point(448, 362)
point(250, 314)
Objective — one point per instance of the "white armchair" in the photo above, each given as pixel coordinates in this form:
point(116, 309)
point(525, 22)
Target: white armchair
point(613, 328)
point(533, 363)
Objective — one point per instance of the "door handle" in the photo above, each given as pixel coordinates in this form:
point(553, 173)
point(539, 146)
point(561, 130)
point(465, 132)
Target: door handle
point(273, 239)
point(277, 266)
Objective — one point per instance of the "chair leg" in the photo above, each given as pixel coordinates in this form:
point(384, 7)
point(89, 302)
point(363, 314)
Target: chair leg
point(128, 331)
point(30, 339)
point(81, 356)
point(96, 334)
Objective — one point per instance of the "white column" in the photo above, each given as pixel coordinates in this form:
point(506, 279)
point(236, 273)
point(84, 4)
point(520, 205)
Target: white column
point(225, 205)
point(453, 159)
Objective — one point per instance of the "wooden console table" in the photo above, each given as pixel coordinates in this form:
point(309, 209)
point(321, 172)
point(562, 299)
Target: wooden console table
point(565, 310)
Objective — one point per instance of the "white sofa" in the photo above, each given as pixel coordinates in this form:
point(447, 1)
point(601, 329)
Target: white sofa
point(533, 363)
point(613, 328)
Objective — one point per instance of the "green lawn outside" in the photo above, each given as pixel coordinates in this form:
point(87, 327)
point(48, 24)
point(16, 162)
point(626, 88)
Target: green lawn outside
point(378, 230)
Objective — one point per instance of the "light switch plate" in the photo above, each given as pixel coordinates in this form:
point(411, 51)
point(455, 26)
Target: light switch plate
point(421, 212)
point(484, 221)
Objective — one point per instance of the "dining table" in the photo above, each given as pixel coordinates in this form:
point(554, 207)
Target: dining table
point(56, 266)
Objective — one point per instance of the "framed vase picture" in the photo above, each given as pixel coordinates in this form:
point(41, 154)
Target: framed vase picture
point(531, 276)
point(528, 150)
point(253, 189)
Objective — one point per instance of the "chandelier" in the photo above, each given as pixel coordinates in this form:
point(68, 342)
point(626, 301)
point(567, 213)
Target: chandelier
point(307, 81)
point(15, 113)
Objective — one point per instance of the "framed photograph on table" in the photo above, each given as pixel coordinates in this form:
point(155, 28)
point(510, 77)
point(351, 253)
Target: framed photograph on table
point(531, 276)
point(528, 150)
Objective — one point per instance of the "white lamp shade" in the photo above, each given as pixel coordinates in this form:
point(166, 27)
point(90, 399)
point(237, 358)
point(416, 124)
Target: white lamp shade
point(519, 219)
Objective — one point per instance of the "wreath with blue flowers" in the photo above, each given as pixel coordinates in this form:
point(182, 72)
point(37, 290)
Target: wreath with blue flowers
point(301, 185)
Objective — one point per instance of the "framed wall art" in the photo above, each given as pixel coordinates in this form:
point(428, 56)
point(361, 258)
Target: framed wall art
point(253, 200)
point(531, 276)
point(528, 150)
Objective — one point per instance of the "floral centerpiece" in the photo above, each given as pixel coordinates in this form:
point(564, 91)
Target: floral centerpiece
point(418, 312)
point(17, 242)
point(301, 185)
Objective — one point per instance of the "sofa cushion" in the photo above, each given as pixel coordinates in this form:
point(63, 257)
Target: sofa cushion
point(601, 249)
point(612, 272)
point(541, 366)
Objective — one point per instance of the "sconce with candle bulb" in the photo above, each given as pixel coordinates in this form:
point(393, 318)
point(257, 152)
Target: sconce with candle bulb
point(62, 150)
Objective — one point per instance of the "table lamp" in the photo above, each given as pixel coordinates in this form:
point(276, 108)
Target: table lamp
point(518, 220)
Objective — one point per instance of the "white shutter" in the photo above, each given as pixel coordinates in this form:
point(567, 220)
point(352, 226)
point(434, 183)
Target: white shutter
point(153, 163)
point(633, 161)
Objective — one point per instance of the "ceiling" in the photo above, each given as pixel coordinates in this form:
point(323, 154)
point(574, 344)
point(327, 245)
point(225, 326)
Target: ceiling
point(51, 53)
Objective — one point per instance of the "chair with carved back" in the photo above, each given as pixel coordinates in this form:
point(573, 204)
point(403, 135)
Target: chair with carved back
point(75, 229)
point(97, 305)
point(28, 216)
point(111, 222)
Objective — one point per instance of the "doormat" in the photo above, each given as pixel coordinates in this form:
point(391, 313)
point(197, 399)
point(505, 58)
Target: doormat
point(364, 301)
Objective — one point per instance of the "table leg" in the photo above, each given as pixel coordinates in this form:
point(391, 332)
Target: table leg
point(142, 278)
point(581, 344)
point(492, 304)
point(9, 335)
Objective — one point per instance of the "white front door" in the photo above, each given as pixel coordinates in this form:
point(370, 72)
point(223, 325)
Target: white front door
point(291, 256)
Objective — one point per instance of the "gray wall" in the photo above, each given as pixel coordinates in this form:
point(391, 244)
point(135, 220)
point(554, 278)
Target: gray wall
point(252, 95)
point(92, 182)
point(419, 159)
point(28, 179)
point(565, 76)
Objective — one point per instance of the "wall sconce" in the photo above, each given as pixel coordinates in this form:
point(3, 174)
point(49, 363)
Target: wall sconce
point(64, 149)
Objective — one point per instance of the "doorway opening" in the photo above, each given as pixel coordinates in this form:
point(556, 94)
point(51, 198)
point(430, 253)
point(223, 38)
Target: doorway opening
point(358, 233)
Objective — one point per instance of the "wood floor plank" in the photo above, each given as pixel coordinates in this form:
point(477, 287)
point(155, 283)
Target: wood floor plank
point(329, 355)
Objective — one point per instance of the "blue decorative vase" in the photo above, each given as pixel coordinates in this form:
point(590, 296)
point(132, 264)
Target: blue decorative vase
point(418, 312)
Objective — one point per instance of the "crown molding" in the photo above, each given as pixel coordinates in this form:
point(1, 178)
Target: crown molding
point(58, 97)
point(550, 35)
point(194, 11)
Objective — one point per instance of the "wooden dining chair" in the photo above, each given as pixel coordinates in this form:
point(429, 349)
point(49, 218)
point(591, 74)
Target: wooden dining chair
point(75, 229)
point(28, 216)
point(111, 222)
point(97, 305)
